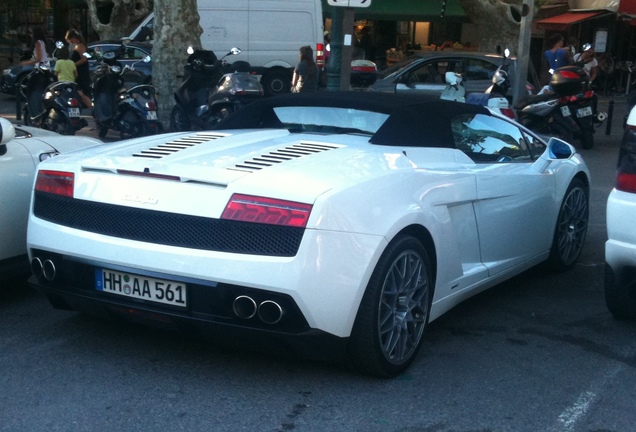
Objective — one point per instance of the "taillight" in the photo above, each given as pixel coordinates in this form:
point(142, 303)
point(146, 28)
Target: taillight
point(320, 55)
point(247, 208)
point(151, 106)
point(72, 102)
point(569, 74)
point(508, 112)
point(626, 182)
point(55, 182)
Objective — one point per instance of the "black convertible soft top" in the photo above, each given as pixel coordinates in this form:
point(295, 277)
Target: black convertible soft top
point(414, 121)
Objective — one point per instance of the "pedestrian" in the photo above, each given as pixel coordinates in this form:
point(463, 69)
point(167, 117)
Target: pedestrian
point(587, 60)
point(556, 56)
point(573, 46)
point(305, 78)
point(65, 69)
point(81, 63)
point(39, 47)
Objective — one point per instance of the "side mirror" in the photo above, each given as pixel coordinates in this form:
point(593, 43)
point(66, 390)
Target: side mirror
point(7, 131)
point(559, 149)
point(235, 51)
point(59, 44)
point(147, 59)
point(190, 50)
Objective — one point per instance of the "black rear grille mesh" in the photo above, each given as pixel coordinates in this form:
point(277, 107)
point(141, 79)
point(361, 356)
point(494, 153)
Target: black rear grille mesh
point(170, 229)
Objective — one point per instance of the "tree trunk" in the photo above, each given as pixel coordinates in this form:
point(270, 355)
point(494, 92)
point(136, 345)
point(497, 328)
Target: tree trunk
point(498, 22)
point(124, 16)
point(176, 27)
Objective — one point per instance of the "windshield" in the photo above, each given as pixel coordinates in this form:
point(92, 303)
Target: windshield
point(329, 119)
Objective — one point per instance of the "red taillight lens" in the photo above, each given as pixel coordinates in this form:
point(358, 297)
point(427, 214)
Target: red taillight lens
point(55, 182)
point(569, 74)
point(151, 106)
point(320, 55)
point(626, 182)
point(508, 113)
point(363, 69)
point(73, 102)
point(271, 211)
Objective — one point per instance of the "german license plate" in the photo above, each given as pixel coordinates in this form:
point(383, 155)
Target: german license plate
point(141, 287)
point(73, 112)
point(565, 110)
point(584, 112)
point(152, 115)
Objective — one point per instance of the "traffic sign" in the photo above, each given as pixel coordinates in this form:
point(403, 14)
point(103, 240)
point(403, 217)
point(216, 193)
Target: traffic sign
point(349, 3)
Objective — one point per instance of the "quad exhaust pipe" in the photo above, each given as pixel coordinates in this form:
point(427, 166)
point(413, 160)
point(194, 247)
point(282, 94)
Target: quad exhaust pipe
point(268, 311)
point(44, 268)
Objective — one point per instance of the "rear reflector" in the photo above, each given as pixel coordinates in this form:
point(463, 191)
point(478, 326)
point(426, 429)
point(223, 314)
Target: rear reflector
point(271, 211)
point(508, 113)
point(55, 182)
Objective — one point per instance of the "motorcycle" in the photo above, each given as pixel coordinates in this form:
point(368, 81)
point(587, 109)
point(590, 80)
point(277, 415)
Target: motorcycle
point(211, 90)
point(565, 108)
point(50, 104)
point(121, 103)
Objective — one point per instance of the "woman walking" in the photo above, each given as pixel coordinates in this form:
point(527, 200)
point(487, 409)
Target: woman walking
point(81, 63)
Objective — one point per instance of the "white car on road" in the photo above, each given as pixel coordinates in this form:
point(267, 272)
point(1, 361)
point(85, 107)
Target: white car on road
point(21, 150)
point(347, 220)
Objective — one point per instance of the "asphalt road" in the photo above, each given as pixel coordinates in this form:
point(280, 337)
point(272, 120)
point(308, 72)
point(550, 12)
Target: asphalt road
point(537, 353)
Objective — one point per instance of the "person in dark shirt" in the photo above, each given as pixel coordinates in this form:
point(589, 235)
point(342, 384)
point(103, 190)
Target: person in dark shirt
point(81, 63)
point(305, 76)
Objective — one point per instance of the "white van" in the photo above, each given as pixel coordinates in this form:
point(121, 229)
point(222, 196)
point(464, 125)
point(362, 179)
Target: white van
point(268, 32)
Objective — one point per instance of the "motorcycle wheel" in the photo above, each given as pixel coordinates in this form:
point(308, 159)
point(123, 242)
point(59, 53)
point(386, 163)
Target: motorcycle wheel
point(179, 121)
point(276, 82)
point(587, 138)
point(67, 128)
point(561, 131)
point(102, 130)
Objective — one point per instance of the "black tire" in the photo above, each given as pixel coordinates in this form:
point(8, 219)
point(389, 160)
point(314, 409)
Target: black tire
point(561, 131)
point(102, 130)
point(389, 328)
point(587, 138)
point(617, 298)
point(179, 121)
point(571, 227)
point(276, 82)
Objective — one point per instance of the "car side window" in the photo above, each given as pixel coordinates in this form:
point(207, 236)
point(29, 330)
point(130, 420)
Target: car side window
point(95, 52)
point(488, 139)
point(479, 69)
point(433, 72)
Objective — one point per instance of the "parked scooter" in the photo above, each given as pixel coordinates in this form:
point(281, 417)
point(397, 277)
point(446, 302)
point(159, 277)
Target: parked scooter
point(120, 103)
point(495, 96)
point(455, 89)
point(564, 109)
point(50, 104)
point(211, 90)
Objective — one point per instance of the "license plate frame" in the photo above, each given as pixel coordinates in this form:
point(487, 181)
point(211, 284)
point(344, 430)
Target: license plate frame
point(74, 112)
point(565, 110)
point(135, 286)
point(584, 112)
point(151, 115)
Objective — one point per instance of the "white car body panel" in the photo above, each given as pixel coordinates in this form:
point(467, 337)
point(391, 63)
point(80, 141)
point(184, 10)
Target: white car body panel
point(17, 170)
point(478, 212)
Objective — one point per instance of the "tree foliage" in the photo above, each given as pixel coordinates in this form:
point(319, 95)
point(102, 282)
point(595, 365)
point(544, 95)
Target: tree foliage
point(113, 19)
point(498, 22)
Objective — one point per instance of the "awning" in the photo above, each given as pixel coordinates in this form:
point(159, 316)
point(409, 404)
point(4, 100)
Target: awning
point(563, 21)
point(407, 10)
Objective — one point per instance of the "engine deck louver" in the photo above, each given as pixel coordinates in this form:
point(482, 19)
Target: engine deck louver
point(172, 147)
point(281, 155)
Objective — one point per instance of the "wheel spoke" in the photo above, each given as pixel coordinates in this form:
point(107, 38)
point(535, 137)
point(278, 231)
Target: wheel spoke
point(572, 225)
point(403, 309)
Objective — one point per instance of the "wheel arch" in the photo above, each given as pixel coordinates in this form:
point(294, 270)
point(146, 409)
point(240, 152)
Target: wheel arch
point(424, 236)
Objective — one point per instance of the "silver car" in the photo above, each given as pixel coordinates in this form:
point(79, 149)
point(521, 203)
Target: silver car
point(424, 72)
